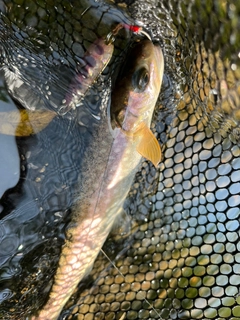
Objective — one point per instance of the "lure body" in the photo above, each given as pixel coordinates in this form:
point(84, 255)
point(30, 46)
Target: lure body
point(95, 60)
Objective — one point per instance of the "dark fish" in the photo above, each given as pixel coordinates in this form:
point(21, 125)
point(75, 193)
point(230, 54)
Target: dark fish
point(96, 58)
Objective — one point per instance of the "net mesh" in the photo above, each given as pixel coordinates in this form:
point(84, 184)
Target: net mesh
point(183, 261)
point(179, 257)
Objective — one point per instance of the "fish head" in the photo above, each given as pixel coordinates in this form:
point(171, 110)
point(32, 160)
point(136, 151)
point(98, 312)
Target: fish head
point(139, 87)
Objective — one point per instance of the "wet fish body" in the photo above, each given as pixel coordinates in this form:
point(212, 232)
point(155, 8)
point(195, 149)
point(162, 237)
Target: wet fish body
point(105, 183)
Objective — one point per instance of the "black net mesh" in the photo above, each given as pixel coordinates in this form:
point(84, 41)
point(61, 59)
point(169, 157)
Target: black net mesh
point(179, 256)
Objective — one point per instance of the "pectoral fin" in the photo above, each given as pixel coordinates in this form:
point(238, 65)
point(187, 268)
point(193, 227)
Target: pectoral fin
point(148, 145)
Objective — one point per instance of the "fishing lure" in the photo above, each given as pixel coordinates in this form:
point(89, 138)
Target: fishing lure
point(96, 59)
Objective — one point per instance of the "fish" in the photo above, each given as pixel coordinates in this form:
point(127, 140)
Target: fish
point(110, 164)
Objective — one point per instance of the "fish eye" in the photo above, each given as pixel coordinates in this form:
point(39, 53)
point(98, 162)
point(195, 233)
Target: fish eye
point(140, 79)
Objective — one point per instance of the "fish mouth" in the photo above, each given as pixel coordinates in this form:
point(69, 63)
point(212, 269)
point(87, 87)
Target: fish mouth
point(125, 120)
point(130, 121)
point(119, 117)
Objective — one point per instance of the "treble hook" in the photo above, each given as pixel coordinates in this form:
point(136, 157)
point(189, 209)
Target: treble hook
point(138, 30)
point(110, 38)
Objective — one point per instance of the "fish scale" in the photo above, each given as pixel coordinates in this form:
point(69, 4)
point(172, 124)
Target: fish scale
point(183, 257)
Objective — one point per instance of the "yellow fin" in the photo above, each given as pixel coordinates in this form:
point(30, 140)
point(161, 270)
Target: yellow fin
point(148, 146)
point(39, 120)
point(22, 123)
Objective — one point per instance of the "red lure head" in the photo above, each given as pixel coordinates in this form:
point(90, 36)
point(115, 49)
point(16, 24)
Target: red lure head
point(137, 30)
point(133, 28)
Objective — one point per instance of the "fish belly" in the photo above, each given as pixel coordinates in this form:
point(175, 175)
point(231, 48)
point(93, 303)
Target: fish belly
point(108, 178)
